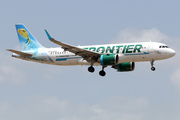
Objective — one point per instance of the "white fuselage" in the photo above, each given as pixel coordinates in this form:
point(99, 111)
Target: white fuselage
point(127, 52)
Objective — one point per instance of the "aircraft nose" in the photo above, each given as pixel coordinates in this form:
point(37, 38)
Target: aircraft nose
point(171, 52)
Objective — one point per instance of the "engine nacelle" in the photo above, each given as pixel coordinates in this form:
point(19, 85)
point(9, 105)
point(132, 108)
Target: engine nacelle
point(125, 67)
point(109, 59)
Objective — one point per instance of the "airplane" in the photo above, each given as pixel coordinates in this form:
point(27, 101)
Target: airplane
point(121, 57)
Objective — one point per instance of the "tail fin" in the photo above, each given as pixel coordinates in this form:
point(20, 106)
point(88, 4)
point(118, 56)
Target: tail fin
point(26, 39)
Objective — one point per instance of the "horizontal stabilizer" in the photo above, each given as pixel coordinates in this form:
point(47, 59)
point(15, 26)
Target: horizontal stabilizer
point(20, 53)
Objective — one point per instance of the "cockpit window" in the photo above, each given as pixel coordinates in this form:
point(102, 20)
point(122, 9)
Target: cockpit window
point(162, 46)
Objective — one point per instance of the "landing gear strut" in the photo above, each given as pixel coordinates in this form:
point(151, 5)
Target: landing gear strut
point(152, 63)
point(102, 72)
point(91, 68)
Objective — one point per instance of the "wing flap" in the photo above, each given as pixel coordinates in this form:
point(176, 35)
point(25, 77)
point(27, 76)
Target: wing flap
point(20, 53)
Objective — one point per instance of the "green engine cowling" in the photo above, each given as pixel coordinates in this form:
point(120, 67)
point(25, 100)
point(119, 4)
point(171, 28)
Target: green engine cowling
point(125, 67)
point(108, 59)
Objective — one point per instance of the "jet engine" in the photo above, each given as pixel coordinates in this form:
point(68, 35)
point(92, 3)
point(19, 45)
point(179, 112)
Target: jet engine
point(124, 67)
point(109, 59)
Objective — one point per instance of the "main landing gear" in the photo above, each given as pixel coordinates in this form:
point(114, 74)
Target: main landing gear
point(91, 69)
point(101, 73)
point(152, 63)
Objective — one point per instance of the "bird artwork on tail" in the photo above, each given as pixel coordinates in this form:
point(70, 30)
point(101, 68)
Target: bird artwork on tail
point(28, 43)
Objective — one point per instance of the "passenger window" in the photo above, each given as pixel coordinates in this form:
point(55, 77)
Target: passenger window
point(159, 46)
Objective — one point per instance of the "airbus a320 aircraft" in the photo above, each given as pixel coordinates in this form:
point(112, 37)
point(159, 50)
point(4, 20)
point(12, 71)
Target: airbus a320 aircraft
point(119, 56)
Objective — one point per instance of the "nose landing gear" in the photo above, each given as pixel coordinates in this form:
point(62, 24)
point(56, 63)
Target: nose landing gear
point(152, 67)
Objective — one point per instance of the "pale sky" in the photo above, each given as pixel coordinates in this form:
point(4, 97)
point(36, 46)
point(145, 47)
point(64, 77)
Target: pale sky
point(34, 91)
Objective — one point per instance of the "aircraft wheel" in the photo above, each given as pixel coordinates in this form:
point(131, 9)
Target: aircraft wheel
point(102, 73)
point(91, 69)
point(153, 68)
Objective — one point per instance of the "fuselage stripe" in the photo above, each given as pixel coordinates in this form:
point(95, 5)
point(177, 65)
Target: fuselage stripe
point(64, 59)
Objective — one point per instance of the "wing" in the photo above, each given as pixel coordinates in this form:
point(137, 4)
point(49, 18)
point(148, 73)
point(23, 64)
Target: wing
point(20, 53)
point(85, 54)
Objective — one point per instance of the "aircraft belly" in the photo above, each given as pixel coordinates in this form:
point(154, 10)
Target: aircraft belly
point(135, 57)
point(141, 57)
point(72, 61)
point(67, 61)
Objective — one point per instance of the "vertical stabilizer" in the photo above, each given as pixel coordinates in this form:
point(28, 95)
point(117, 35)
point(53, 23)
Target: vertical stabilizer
point(27, 40)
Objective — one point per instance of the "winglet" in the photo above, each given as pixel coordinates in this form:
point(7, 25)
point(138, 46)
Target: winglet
point(49, 36)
